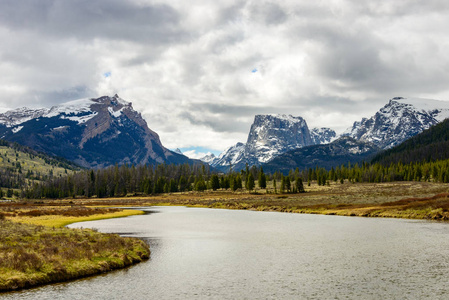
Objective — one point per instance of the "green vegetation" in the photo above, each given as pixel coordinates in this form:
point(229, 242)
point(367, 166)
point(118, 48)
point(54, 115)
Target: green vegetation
point(32, 255)
point(148, 180)
point(20, 167)
point(429, 146)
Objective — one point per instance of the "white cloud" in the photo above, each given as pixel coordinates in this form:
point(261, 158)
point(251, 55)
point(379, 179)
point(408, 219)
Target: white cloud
point(187, 66)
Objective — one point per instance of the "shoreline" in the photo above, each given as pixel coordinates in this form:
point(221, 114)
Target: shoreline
point(30, 265)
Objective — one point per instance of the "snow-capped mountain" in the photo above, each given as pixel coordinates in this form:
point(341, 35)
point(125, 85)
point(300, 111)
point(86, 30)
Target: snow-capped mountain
point(400, 119)
point(269, 136)
point(208, 158)
point(91, 132)
point(322, 135)
point(229, 158)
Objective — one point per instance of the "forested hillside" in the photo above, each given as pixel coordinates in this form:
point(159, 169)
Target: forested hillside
point(430, 145)
point(20, 166)
point(342, 151)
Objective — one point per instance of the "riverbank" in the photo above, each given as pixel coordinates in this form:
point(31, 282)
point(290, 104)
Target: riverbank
point(413, 200)
point(32, 254)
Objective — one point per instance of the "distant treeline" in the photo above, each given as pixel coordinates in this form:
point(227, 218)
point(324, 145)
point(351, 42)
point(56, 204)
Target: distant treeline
point(437, 171)
point(118, 181)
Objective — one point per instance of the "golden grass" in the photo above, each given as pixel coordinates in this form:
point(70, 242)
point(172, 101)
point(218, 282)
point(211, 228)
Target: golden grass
point(61, 221)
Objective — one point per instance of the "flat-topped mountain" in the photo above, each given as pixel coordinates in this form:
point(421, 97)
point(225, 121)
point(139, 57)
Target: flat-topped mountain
point(270, 136)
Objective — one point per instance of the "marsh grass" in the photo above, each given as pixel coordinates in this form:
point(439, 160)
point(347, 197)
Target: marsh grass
point(32, 255)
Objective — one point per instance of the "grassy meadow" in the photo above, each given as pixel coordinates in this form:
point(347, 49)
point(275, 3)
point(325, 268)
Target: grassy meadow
point(419, 200)
point(28, 162)
point(36, 249)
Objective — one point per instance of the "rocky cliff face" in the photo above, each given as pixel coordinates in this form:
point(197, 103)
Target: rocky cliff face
point(322, 135)
point(399, 120)
point(270, 136)
point(91, 132)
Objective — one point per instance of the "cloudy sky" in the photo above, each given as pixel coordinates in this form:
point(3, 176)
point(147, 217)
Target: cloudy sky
point(200, 70)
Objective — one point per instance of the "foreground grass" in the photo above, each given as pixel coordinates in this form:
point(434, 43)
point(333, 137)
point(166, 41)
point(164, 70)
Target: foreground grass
point(32, 255)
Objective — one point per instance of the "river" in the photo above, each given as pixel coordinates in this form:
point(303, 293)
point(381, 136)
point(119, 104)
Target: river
point(200, 253)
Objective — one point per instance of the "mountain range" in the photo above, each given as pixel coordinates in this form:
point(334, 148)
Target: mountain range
point(271, 136)
point(93, 133)
point(104, 131)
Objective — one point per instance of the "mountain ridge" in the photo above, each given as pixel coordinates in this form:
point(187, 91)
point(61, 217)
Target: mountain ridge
point(398, 120)
point(92, 132)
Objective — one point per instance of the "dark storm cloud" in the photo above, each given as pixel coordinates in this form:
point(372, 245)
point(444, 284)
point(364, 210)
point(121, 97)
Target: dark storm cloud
point(267, 13)
point(89, 19)
point(50, 98)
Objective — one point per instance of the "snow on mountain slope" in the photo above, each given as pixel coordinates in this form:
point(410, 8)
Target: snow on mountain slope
point(93, 132)
point(400, 119)
point(209, 158)
point(18, 116)
point(322, 135)
point(269, 136)
point(230, 157)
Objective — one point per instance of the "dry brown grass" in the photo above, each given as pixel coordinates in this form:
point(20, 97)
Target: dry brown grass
point(397, 199)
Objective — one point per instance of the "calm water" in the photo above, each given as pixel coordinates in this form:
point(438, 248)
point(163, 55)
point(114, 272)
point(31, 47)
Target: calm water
point(228, 254)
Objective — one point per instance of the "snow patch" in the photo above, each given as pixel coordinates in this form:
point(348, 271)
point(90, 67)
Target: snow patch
point(60, 128)
point(115, 114)
point(17, 129)
point(80, 119)
point(75, 107)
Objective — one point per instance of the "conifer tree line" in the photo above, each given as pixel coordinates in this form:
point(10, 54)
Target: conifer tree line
point(118, 181)
point(437, 171)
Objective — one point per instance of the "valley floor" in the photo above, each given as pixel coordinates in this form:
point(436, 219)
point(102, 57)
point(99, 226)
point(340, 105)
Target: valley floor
point(22, 223)
point(419, 200)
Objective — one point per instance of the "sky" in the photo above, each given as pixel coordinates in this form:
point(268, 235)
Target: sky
point(199, 71)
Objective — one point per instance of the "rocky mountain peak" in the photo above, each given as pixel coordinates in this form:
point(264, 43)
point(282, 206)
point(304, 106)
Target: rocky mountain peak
point(94, 132)
point(400, 119)
point(269, 136)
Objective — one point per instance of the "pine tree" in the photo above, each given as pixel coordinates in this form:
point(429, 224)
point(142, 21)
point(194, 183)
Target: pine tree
point(215, 182)
point(299, 185)
point(250, 183)
point(262, 180)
